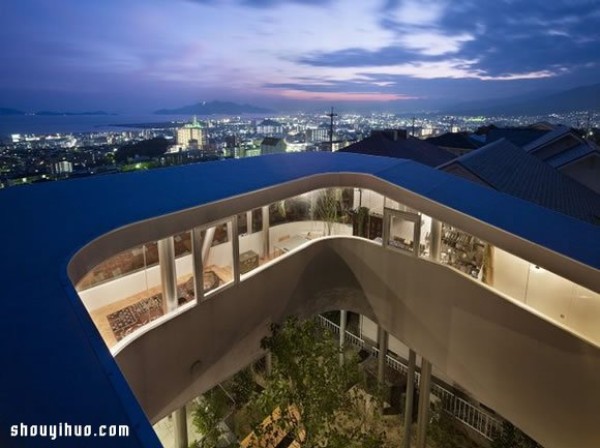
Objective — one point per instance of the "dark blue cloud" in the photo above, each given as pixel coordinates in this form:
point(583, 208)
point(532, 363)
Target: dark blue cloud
point(509, 36)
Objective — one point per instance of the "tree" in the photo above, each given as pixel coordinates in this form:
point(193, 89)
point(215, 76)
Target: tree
point(214, 406)
point(154, 147)
point(513, 437)
point(311, 390)
point(327, 208)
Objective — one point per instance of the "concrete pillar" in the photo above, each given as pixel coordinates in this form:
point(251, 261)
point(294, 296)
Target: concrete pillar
point(229, 225)
point(410, 394)
point(180, 428)
point(168, 275)
point(197, 263)
point(248, 222)
point(382, 341)
point(424, 389)
point(265, 231)
point(343, 322)
point(232, 233)
point(206, 244)
point(436, 240)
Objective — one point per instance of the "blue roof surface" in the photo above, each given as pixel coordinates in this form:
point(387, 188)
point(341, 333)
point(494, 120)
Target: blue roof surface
point(57, 368)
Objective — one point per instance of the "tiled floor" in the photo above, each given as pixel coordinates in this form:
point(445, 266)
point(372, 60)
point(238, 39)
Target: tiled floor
point(99, 316)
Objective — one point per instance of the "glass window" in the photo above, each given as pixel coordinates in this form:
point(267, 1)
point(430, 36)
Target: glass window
point(403, 230)
point(218, 261)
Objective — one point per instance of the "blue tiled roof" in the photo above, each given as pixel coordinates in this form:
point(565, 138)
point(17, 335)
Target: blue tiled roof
point(548, 137)
point(511, 170)
point(455, 140)
point(517, 136)
point(410, 148)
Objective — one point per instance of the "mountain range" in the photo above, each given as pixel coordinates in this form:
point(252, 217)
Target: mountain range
point(576, 99)
point(215, 108)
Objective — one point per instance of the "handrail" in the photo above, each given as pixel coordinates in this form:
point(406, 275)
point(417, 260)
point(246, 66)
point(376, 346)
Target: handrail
point(475, 418)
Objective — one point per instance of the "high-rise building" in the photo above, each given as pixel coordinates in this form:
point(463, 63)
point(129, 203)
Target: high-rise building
point(191, 135)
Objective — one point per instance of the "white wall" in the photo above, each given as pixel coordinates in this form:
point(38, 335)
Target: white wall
point(554, 296)
point(510, 274)
point(316, 228)
point(253, 241)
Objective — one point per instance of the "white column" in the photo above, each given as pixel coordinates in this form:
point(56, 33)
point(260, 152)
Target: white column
point(436, 240)
point(410, 393)
point(382, 341)
point(343, 322)
point(248, 222)
point(232, 233)
point(424, 389)
point(180, 428)
point(265, 230)
point(197, 264)
point(168, 275)
point(206, 244)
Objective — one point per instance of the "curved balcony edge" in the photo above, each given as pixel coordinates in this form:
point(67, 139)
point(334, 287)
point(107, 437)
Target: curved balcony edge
point(507, 357)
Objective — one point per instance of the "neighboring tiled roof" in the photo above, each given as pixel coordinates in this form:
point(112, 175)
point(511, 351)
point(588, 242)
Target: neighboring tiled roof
point(458, 140)
point(570, 155)
point(411, 148)
point(511, 170)
point(548, 137)
point(517, 136)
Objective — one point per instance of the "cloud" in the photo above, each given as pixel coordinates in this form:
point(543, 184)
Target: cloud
point(419, 13)
point(433, 43)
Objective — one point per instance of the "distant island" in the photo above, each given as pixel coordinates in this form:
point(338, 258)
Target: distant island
point(215, 108)
point(53, 113)
point(8, 111)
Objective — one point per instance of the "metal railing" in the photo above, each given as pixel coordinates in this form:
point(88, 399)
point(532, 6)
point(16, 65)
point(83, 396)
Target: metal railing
point(469, 415)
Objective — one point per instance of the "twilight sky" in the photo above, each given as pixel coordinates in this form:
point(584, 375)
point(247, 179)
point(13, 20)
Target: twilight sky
point(140, 55)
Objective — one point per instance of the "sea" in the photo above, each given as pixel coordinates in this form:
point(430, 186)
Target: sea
point(52, 124)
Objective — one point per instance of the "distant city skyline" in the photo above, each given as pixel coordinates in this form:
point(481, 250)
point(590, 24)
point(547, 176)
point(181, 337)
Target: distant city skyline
point(142, 55)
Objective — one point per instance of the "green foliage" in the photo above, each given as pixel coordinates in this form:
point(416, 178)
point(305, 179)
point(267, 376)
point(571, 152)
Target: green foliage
point(513, 437)
point(148, 148)
point(307, 376)
point(241, 387)
point(212, 409)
